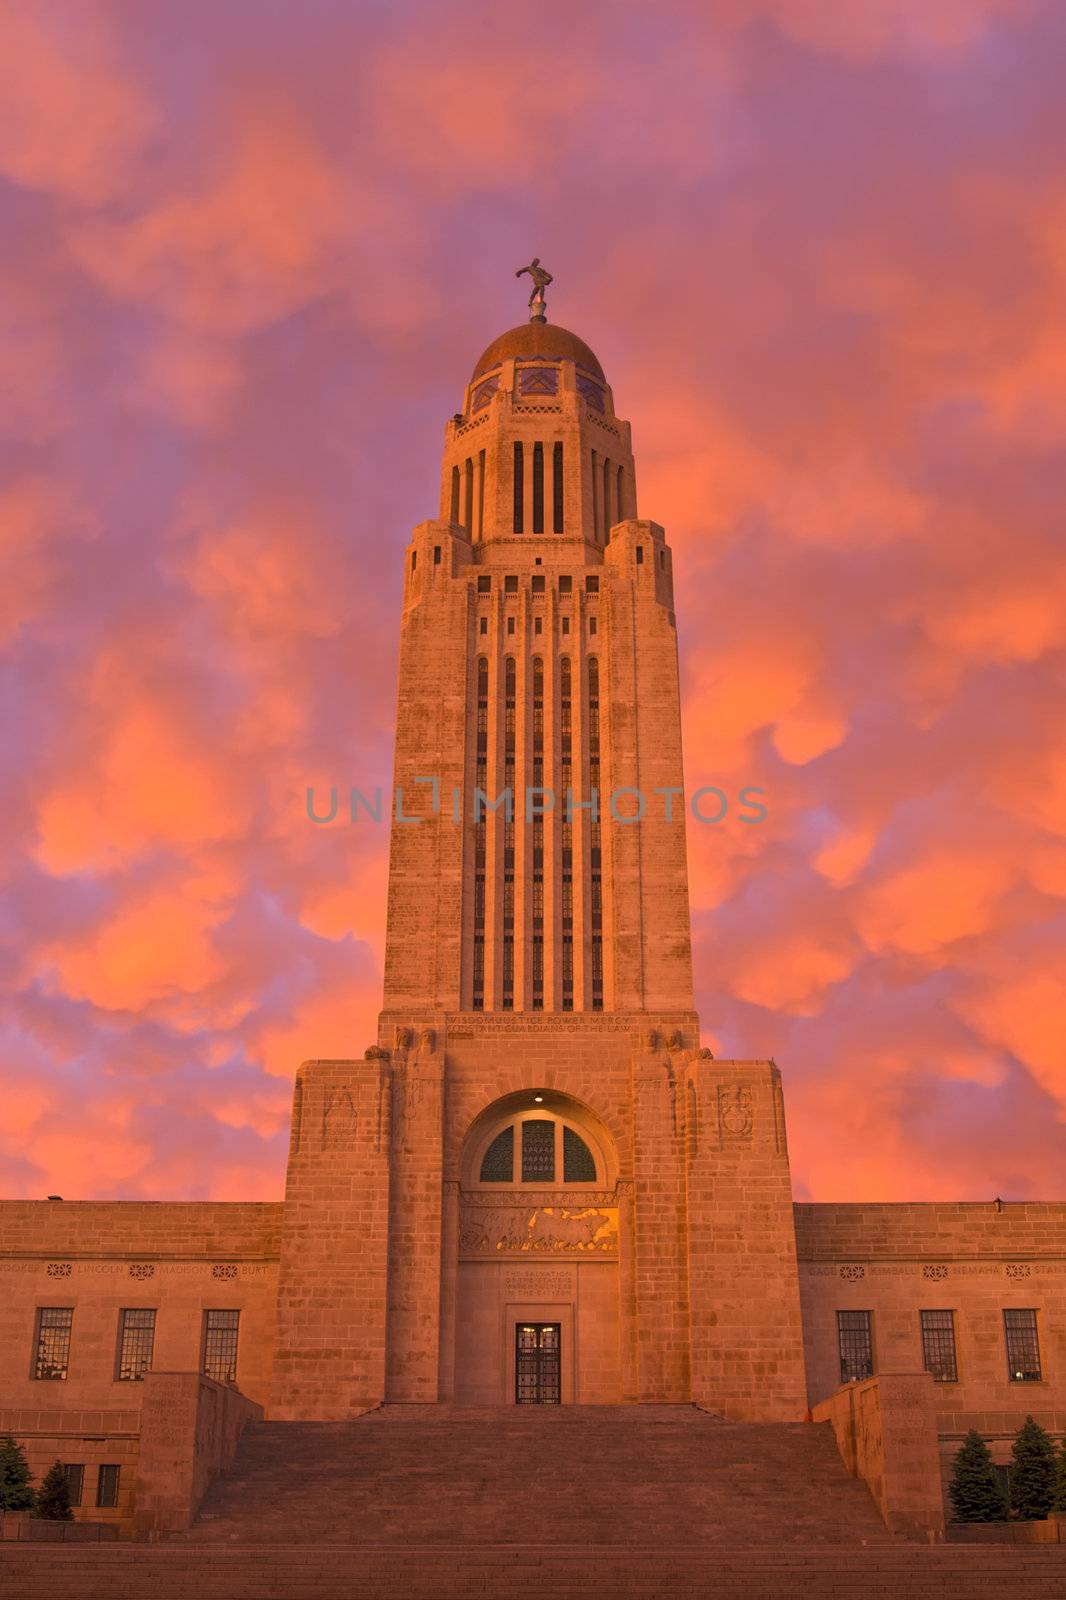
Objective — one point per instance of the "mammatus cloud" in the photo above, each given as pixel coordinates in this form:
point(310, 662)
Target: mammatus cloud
point(819, 249)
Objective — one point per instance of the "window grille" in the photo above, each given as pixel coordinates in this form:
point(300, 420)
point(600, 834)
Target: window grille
point(220, 1345)
point(1023, 1349)
point(538, 1151)
point(578, 1165)
point(53, 1341)
point(497, 1165)
point(938, 1345)
point(136, 1338)
point(107, 1485)
point(856, 1346)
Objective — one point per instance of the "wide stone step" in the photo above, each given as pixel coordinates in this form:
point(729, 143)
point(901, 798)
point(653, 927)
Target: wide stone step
point(658, 1572)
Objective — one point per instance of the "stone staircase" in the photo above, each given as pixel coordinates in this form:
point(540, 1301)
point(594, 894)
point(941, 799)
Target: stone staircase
point(573, 1503)
point(571, 1475)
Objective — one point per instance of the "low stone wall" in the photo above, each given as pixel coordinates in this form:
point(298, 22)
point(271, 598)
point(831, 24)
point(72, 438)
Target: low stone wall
point(21, 1528)
point(886, 1432)
point(1052, 1531)
point(190, 1429)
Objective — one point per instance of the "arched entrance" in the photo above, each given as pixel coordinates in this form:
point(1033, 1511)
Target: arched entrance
point(537, 1312)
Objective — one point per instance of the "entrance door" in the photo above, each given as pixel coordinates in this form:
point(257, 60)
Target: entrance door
point(537, 1380)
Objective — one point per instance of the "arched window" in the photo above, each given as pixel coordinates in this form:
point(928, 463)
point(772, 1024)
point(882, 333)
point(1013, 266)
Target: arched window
point(540, 1150)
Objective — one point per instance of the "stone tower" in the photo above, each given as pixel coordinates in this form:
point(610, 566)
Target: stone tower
point(536, 1149)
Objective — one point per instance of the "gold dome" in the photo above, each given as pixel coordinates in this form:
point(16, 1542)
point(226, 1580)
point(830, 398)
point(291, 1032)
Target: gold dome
point(538, 339)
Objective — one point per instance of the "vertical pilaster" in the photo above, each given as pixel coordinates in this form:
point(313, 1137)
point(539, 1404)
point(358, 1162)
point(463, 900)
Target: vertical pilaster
point(415, 1194)
point(660, 1310)
point(746, 1333)
point(332, 1290)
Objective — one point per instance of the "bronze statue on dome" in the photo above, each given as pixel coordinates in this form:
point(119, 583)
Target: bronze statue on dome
point(541, 279)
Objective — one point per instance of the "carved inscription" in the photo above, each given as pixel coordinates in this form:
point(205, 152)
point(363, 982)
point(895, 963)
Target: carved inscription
point(535, 1284)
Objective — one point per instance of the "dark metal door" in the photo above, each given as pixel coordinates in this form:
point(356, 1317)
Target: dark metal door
point(537, 1370)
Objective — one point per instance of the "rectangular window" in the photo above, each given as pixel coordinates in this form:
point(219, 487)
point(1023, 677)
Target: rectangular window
point(566, 584)
point(53, 1341)
point(436, 555)
point(557, 488)
point(538, 624)
point(592, 585)
point(135, 1341)
point(220, 1345)
point(566, 624)
point(107, 1486)
point(484, 583)
point(1023, 1349)
point(75, 1480)
point(856, 1346)
point(484, 624)
point(510, 585)
point(640, 555)
point(510, 625)
point(538, 583)
point(592, 626)
point(938, 1345)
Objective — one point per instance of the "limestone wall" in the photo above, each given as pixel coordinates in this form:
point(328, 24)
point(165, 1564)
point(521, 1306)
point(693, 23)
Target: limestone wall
point(974, 1260)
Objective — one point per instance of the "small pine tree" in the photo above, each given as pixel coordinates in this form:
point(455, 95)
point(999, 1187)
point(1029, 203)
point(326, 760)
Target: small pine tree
point(53, 1497)
point(1032, 1478)
point(974, 1489)
point(1058, 1494)
point(16, 1492)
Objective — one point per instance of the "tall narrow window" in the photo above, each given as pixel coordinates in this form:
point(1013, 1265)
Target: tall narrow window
point(107, 1485)
point(75, 1471)
point(468, 494)
point(519, 490)
point(856, 1346)
point(1023, 1347)
point(595, 862)
point(538, 487)
point(595, 501)
point(220, 1345)
point(480, 493)
point(481, 770)
point(619, 513)
point(510, 705)
point(135, 1341)
point(53, 1341)
point(938, 1345)
point(537, 897)
point(455, 494)
point(566, 852)
point(557, 487)
point(606, 500)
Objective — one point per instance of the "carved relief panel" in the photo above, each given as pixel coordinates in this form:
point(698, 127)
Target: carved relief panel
point(558, 1223)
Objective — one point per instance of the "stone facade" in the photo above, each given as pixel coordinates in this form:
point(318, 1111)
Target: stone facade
point(537, 1010)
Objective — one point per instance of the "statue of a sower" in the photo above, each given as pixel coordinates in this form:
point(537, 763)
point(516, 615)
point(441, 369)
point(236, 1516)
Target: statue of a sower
point(541, 279)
